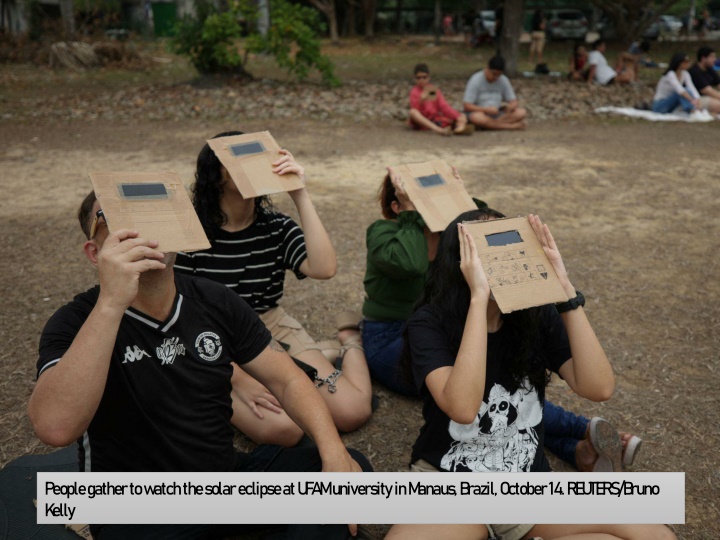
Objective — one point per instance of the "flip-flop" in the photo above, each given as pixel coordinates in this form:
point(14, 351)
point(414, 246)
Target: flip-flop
point(630, 451)
point(469, 129)
point(606, 442)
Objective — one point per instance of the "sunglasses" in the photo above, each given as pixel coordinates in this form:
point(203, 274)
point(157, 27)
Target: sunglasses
point(93, 226)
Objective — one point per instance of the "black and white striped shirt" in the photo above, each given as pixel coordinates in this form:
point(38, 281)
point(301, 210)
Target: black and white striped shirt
point(251, 262)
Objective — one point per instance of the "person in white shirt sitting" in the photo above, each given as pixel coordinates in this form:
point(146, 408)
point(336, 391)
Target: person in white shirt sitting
point(601, 72)
point(675, 88)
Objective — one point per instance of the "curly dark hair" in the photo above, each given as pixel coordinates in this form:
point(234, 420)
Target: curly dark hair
point(447, 292)
point(207, 190)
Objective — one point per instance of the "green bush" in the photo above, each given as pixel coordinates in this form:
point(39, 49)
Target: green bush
point(212, 40)
point(295, 28)
point(209, 40)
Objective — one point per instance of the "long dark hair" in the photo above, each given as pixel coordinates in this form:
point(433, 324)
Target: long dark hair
point(446, 291)
point(207, 190)
point(677, 59)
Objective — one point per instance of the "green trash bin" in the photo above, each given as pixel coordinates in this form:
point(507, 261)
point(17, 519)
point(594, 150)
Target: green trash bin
point(164, 16)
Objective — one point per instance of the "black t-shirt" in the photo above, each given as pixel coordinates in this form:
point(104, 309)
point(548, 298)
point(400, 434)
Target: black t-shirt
point(166, 405)
point(703, 78)
point(507, 434)
point(537, 22)
point(252, 262)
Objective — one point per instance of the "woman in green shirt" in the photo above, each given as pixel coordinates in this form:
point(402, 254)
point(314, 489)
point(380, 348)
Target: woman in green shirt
point(399, 249)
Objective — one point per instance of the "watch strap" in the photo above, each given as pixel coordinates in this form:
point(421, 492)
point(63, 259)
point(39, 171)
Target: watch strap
point(571, 304)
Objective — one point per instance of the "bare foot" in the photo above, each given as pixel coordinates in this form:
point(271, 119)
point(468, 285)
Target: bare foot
point(585, 456)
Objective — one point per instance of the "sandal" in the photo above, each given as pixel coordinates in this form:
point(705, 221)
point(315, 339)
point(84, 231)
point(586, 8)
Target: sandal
point(469, 129)
point(606, 442)
point(631, 450)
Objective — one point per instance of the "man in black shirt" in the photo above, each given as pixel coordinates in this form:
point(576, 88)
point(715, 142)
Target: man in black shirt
point(706, 79)
point(137, 371)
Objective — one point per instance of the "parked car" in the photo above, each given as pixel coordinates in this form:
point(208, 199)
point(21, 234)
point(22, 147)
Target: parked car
point(566, 24)
point(669, 24)
point(485, 23)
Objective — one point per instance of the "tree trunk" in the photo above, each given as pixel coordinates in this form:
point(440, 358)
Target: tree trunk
point(263, 17)
point(332, 17)
point(510, 39)
point(68, 18)
point(327, 7)
point(369, 7)
point(398, 17)
point(350, 18)
point(437, 22)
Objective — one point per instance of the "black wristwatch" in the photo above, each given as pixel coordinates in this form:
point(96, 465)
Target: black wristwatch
point(571, 304)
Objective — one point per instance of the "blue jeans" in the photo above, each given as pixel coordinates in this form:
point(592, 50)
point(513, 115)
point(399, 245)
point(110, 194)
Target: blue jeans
point(670, 103)
point(383, 343)
point(563, 431)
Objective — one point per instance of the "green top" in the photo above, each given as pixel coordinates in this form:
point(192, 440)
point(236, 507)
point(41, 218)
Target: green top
point(397, 261)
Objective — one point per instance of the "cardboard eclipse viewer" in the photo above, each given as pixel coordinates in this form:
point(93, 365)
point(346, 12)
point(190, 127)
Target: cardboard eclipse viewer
point(155, 204)
point(436, 193)
point(517, 269)
point(248, 159)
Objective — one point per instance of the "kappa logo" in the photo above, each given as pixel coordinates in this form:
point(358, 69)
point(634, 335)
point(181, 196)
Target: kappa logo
point(136, 353)
point(170, 349)
point(208, 346)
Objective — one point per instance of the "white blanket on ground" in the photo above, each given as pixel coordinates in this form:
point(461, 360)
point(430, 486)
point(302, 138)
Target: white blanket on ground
point(677, 116)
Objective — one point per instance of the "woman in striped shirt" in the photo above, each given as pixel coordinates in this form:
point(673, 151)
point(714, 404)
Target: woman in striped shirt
point(252, 247)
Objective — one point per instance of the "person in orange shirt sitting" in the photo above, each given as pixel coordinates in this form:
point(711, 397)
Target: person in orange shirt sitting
point(429, 110)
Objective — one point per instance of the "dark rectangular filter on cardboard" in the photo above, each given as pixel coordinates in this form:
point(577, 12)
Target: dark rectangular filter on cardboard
point(248, 159)
point(435, 192)
point(518, 271)
point(155, 204)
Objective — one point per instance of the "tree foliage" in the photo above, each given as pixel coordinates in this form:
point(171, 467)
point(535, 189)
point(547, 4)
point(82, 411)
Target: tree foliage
point(215, 43)
point(632, 17)
point(328, 8)
point(293, 40)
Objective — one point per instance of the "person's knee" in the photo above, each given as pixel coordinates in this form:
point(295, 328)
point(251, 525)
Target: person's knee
point(521, 113)
point(361, 460)
point(660, 532)
point(353, 414)
point(478, 118)
point(283, 432)
point(649, 532)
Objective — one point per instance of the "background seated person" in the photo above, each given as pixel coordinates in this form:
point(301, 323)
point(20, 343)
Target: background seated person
point(675, 88)
point(706, 80)
point(490, 100)
point(578, 70)
point(601, 72)
point(640, 50)
point(429, 110)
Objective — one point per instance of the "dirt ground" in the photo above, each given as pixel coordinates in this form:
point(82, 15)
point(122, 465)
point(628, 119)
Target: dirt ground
point(633, 207)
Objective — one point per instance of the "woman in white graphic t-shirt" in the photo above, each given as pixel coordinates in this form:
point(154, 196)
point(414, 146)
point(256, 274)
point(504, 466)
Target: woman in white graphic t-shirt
point(483, 374)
